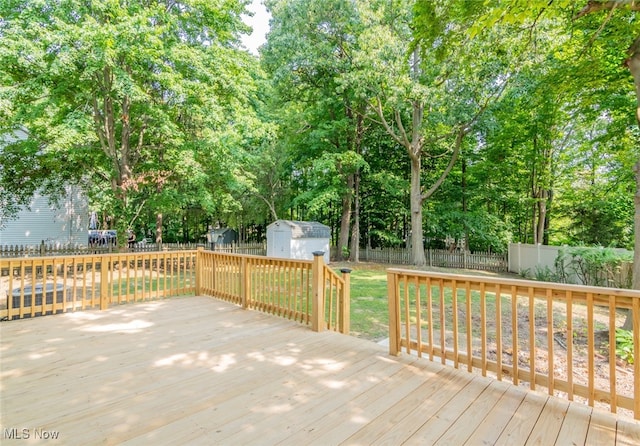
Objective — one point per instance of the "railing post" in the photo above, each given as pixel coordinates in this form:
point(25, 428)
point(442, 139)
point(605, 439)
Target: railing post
point(104, 283)
point(394, 314)
point(635, 309)
point(245, 282)
point(317, 306)
point(199, 270)
point(345, 309)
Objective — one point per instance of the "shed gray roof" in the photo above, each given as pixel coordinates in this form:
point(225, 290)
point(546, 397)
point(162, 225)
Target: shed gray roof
point(220, 231)
point(305, 229)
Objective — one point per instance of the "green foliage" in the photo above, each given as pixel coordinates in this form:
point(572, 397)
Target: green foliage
point(594, 266)
point(624, 345)
point(154, 110)
point(134, 100)
point(543, 274)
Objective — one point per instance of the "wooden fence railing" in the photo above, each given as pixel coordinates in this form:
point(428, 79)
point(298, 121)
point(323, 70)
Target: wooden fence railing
point(535, 333)
point(38, 286)
point(303, 290)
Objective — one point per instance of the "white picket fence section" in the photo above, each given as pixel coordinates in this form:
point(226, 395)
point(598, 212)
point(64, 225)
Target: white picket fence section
point(485, 261)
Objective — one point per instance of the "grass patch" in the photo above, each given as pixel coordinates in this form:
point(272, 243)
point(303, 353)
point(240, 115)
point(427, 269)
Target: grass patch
point(369, 307)
point(150, 286)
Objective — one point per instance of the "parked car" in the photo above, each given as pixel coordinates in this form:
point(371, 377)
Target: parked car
point(103, 238)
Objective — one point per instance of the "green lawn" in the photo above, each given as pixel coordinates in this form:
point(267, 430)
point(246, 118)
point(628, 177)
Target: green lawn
point(369, 308)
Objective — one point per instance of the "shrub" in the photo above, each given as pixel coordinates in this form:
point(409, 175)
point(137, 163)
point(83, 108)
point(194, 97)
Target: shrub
point(594, 266)
point(624, 345)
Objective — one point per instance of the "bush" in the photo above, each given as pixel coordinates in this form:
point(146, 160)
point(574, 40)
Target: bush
point(605, 267)
point(624, 345)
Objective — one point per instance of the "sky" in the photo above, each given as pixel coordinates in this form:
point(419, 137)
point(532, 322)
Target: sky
point(260, 24)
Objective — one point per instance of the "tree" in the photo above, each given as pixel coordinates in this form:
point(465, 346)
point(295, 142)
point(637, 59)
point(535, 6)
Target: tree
point(121, 94)
point(632, 62)
point(415, 69)
point(309, 48)
point(610, 32)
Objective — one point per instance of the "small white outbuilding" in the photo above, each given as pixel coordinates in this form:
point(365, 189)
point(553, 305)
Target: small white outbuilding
point(289, 239)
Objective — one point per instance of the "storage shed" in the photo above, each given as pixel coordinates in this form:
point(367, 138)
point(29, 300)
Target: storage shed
point(222, 236)
point(290, 239)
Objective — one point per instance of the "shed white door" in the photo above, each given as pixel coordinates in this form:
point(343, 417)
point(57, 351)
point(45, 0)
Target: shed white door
point(282, 244)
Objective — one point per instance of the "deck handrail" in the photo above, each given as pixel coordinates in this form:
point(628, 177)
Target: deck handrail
point(50, 285)
point(304, 290)
point(469, 321)
point(307, 291)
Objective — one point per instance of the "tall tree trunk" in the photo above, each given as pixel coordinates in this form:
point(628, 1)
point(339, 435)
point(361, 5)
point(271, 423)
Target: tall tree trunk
point(159, 228)
point(354, 250)
point(464, 203)
point(542, 215)
point(417, 244)
point(345, 220)
point(545, 240)
point(159, 214)
point(633, 63)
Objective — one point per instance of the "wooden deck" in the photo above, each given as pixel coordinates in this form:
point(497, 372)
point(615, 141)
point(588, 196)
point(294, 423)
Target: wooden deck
point(200, 371)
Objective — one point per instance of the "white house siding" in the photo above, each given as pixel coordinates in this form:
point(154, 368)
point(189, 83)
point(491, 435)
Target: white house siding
point(63, 224)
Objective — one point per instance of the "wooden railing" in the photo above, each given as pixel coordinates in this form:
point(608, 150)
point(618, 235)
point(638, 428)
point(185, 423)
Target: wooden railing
point(38, 286)
point(303, 290)
point(558, 333)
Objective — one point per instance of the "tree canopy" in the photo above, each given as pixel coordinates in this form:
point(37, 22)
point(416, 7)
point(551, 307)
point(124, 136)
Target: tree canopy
point(402, 123)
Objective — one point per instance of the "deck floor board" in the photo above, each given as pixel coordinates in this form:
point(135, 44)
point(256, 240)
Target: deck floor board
point(197, 370)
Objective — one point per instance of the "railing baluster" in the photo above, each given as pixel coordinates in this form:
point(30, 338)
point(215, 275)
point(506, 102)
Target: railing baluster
point(454, 307)
point(550, 344)
point(443, 332)
point(498, 333)
point(636, 354)
point(416, 285)
point(612, 354)
point(515, 351)
point(532, 340)
point(561, 305)
point(469, 326)
point(590, 348)
point(429, 311)
point(570, 344)
point(407, 316)
point(483, 328)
